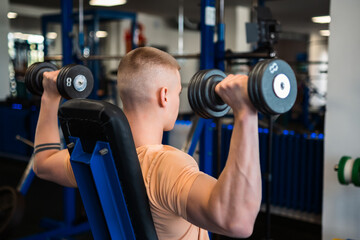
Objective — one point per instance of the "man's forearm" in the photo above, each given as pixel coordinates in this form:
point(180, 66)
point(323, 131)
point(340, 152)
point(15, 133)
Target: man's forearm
point(50, 163)
point(47, 130)
point(236, 197)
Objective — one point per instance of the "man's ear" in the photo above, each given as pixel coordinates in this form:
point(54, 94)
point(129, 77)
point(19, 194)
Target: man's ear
point(163, 96)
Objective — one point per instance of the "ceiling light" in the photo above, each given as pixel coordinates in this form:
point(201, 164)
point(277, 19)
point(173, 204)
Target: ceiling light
point(101, 34)
point(325, 33)
point(31, 38)
point(321, 19)
point(107, 3)
point(51, 35)
point(20, 35)
point(12, 15)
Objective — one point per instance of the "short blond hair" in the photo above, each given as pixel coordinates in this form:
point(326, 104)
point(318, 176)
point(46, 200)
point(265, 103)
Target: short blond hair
point(137, 70)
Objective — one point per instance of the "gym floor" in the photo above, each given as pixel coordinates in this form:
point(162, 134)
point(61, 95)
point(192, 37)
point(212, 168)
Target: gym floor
point(44, 200)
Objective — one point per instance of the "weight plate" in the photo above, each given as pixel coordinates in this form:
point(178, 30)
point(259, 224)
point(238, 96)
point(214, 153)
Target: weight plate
point(348, 170)
point(202, 96)
point(60, 76)
point(271, 102)
point(34, 76)
point(265, 108)
point(211, 108)
point(61, 80)
point(62, 70)
point(195, 91)
point(11, 210)
point(192, 94)
point(198, 95)
point(355, 173)
point(253, 85)
point(201, 100)
point(33, 81)
point(75, 81)
point(28, 75)
point(251, 80)
point(82, 82)
point(211, 98)
point(259, 104)
point(341, 169)
point(214, 105)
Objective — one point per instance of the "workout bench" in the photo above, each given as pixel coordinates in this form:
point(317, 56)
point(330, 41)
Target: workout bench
point(107, 170)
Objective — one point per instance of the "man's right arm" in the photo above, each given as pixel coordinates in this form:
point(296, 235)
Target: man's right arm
point(229, 205)
point(51, 164)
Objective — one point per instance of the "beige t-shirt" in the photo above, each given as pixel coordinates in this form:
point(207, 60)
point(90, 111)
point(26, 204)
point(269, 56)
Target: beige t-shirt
point(168, 175)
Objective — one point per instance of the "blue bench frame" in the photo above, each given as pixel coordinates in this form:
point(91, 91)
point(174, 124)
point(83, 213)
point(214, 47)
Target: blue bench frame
point(101, 191)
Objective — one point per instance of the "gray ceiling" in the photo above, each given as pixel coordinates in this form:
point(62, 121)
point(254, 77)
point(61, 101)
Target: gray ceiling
point(294, 15)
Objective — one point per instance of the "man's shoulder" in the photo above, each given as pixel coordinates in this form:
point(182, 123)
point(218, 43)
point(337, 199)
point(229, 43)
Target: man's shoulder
point(172, 150)
point(157, 148)
point(160, 149)
point(165, 155)
point(173, 155)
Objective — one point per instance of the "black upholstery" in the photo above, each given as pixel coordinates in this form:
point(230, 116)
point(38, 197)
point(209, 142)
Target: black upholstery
point(92, 121)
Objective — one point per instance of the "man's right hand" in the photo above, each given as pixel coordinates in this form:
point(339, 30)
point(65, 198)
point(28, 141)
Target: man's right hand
point(233, 91)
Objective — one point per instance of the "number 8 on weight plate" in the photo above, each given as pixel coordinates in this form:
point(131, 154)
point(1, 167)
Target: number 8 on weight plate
point(68, 82)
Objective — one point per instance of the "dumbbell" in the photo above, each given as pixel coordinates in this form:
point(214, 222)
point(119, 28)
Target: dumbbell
point(73, 81)
point(348, 171)
point(272, 89)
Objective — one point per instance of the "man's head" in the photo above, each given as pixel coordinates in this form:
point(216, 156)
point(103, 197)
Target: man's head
point(149, 80)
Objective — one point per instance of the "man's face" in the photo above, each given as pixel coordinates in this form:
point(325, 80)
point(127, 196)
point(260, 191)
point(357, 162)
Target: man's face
point(174, 99)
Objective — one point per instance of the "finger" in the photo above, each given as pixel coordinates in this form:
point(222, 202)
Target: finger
point(231, 82)
point(51, 75)
point(229, 78)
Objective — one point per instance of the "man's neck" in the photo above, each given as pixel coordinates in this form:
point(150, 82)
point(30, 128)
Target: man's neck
point(145, 127)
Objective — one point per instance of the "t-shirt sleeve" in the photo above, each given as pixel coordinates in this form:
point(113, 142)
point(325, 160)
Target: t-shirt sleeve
point(171, 180)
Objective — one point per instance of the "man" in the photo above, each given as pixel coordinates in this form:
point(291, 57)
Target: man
point(183, 200)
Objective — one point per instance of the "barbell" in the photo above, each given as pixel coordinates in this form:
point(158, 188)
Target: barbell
point(73, 81)
point(272, 89)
